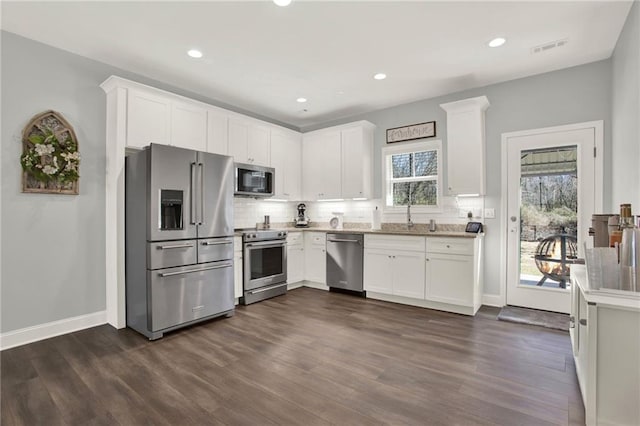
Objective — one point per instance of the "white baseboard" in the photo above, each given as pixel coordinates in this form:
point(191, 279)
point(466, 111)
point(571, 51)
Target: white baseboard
point(34, 333)
point(492, 300)
point(313, 284)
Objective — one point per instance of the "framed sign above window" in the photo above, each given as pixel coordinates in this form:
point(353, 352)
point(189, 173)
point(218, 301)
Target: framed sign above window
point(412, 132)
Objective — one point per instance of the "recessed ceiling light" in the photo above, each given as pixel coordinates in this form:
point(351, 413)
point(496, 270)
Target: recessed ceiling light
point(497, 42)
point(195, 53)
point(301, 100)
point(380, 76)
point(282, 3)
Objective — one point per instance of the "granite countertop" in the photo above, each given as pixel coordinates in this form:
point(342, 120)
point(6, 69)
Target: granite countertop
point(419, 229)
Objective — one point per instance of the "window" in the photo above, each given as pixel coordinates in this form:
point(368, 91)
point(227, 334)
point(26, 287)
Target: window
point(412, 174)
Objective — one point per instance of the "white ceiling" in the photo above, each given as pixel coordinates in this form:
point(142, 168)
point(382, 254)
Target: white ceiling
point(261, 57)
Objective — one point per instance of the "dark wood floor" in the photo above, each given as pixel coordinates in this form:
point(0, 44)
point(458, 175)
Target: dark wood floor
point(310, 357)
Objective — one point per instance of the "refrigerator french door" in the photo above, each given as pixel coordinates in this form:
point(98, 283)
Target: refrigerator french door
point(179, 238)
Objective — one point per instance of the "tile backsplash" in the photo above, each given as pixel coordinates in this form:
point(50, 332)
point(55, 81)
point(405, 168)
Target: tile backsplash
point(249, 211)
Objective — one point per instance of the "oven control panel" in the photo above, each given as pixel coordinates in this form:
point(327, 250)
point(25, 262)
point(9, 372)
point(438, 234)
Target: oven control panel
point(264, 235)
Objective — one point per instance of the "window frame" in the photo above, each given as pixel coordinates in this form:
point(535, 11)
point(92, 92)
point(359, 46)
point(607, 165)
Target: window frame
point(387, 172)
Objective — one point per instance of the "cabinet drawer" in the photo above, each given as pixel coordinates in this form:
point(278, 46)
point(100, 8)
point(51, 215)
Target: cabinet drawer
point(294, 238)
point(394, 242)
point(184, 294)
point(215, 249)
point(316, 238)
point(450, 245)
point(171, 253)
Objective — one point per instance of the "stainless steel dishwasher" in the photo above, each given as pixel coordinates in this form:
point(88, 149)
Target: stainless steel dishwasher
point(345, 255)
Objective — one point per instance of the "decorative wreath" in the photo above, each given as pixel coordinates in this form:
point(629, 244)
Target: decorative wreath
point(51, 159)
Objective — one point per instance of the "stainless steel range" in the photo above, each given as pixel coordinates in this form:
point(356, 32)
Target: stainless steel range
point(264, 264)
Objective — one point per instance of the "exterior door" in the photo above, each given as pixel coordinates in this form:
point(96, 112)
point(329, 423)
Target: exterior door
point(551, 185)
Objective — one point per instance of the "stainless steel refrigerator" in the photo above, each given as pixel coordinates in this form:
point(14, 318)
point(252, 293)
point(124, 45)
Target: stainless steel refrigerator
point(178, 238)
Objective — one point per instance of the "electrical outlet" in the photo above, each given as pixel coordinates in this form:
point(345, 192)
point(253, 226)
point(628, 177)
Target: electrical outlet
point(489, 213)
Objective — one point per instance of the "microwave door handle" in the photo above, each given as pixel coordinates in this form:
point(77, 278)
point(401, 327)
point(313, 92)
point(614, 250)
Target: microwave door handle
point(201, 167)
point(192, 213)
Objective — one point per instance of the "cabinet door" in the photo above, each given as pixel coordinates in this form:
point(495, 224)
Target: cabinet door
point(237, 274)
point(408, 274)
point(450, 278)
point(286, 158)
point(148, 119)
point(237, 147)
point(378, 275)
point(356, 164)
point(258, 141)
point(315, 264)
point(217, 133)
point(322, 166)
point(188, 126)
point(295, 264)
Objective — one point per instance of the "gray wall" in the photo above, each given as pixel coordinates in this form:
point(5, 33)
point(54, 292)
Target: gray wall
point(626, 114)
point(53, 246)
point(567, 96)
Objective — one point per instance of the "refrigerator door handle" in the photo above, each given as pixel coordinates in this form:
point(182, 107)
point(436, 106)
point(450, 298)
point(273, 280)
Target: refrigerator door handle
point(192, 213)
point(201, 166)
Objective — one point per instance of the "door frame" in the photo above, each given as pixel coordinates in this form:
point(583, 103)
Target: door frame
point(598, 128)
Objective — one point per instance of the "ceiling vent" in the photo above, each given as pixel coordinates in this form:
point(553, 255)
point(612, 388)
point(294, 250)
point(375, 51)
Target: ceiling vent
point(548, 46)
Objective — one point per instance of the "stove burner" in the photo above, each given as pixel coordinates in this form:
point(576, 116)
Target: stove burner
point(554, 257)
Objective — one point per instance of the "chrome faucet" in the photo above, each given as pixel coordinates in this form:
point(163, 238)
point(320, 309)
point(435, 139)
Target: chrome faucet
point(409, 222)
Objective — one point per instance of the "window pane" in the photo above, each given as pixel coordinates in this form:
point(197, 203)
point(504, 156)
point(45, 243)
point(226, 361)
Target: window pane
point(401, 164)
point(426, 163)
point(423, 193)
point(400, 194)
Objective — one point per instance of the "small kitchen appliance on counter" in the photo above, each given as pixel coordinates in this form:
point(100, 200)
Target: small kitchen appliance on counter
point(264, 264)
point(302, 221)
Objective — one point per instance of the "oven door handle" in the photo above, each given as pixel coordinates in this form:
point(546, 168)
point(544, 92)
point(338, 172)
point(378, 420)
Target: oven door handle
point(261, 290)
point(267, 244)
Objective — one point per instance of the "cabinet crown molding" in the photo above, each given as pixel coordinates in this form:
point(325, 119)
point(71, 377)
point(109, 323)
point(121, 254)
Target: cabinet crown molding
point(480, 103)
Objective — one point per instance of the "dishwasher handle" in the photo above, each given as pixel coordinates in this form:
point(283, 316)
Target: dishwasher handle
point(343, 240)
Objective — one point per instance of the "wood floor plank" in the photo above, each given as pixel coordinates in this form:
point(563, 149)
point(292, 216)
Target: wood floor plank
point(310, 358)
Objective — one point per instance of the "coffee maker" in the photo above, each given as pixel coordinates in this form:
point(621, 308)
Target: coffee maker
point(302, 221)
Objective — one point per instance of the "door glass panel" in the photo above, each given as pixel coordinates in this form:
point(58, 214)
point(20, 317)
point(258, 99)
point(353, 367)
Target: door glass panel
point(548, 216)
point(266, 262)
point(254, 181)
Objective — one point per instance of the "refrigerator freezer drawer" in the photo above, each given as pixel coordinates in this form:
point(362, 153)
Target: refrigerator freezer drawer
point(181, 295)
point(215, 249)
point(168, 254)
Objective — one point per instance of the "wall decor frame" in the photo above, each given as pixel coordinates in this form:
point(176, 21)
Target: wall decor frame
point(50, 157)
point(412, 132)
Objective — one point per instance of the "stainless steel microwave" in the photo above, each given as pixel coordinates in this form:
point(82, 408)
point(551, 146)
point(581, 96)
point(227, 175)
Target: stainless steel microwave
point(254, 181)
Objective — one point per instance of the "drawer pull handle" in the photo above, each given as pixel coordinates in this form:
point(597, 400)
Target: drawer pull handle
point(175, 246)
point(216, 243)
point(448, 246)
point(197, 308)
point(583, 321)
point(171, 274)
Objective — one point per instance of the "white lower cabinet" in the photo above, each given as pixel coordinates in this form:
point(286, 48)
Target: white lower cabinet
point(450, 278)
point(295, 257)
point(434, 272)
point(388, 270)
point(237, 267)
point(315, 257)
point(605, 335)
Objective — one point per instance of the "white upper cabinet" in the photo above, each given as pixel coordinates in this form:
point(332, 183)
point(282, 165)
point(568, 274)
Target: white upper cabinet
point(357, 162)
point(337, 162)
point(248, 142)
point(286, 158)
point(148, 119)
point(188, 126)
point(217, 132)
point(466, 146)
point(321, 165)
